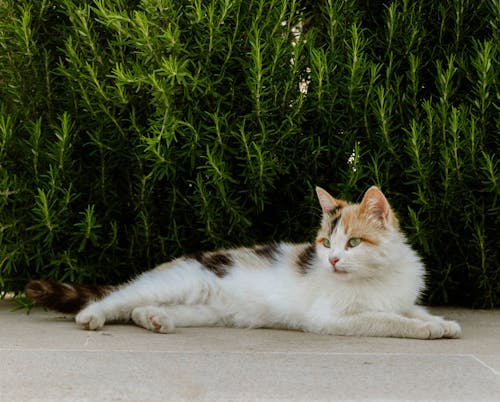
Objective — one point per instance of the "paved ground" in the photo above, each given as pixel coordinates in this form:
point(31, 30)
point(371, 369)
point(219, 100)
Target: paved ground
point(44, 356)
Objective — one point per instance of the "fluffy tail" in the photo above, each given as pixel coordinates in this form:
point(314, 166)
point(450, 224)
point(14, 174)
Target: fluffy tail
point(63, 297)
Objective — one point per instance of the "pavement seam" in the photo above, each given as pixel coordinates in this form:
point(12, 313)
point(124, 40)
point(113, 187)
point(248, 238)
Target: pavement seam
point(486, 365)
point(291, 353)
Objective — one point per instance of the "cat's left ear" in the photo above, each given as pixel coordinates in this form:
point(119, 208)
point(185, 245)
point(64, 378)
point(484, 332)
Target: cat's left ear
point(375, 203)
point(328, 203)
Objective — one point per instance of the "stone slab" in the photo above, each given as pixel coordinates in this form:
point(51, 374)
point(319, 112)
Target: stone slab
point(241, 376)
point(44, 356)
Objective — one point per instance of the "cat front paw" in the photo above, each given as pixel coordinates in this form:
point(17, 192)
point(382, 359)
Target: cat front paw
point(90, 318)
point(441, 329)
point(431, 330)
point(451, 329)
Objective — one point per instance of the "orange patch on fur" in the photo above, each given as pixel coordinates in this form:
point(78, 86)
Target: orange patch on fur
point(358, 224)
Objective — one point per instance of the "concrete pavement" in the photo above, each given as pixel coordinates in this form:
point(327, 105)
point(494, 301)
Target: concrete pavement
point(44, 356)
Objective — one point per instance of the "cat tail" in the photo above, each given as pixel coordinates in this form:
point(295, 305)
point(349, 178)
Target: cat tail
point(64, 297)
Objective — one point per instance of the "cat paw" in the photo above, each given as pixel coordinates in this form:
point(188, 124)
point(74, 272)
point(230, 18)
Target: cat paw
point(90, 319)
point(432, 330)
point(451, 329)
point(442, 329)
point(153, 319)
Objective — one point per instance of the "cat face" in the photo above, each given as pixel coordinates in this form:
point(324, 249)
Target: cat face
point(357, 240)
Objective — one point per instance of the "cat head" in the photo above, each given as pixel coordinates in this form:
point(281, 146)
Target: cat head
point(359, 240)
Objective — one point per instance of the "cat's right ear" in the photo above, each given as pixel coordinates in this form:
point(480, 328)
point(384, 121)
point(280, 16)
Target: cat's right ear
point(327, 202)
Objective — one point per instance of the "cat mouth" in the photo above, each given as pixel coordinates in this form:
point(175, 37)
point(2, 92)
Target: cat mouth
point(340, 271)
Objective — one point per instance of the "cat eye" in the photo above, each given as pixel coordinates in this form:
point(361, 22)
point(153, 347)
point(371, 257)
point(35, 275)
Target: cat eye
point(353, 242)
point(326, 243)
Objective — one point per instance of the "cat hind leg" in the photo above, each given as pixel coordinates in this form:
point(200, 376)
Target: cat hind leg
point(164, 319)
point(91, 317)
point(153, 318)
point(111, 308)
point(175, 282)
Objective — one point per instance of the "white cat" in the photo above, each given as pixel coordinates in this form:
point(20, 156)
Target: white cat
point(360, 277)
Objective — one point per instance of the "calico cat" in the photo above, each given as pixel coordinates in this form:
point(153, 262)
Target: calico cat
point(360, 277)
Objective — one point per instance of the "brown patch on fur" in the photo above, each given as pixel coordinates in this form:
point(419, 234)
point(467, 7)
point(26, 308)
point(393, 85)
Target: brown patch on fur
point(217, 262)
point(306, 258)
point(63, 297)
point(330, 220)
point(333, 222)
point(320, 240)
point(269, 251)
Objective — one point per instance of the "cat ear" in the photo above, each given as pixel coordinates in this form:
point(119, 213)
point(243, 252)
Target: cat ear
point(327, 202)
point(375, 203)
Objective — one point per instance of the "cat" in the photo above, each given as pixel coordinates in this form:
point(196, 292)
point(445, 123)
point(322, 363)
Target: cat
point(359, 278)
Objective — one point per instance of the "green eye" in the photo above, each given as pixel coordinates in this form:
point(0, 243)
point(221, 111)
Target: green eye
point(326, 243)
point(353, 242)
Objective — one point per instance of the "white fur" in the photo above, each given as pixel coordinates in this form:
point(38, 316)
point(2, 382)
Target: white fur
point(367, 289)
point(376, 297)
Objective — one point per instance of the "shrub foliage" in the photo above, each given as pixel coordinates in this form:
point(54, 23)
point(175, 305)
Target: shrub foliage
point(134, 131)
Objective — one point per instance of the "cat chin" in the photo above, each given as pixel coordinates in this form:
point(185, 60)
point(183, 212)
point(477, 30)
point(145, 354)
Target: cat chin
point(340, 271)
point(342, 275)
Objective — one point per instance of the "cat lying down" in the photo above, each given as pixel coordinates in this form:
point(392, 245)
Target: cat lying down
point(360, 277)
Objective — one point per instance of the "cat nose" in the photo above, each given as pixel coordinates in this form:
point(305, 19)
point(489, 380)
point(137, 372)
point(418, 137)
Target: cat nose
point(333, 261)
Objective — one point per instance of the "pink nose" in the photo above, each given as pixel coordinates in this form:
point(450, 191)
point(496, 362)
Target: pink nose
point(333, 261)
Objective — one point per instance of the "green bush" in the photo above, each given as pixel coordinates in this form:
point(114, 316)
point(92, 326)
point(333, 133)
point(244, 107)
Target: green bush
point(134, 131)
